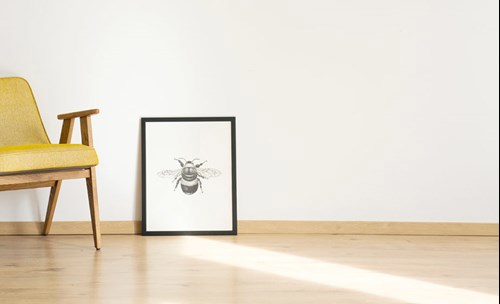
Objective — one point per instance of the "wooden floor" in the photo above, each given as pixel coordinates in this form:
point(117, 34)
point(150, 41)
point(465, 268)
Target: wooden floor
point(252, 269)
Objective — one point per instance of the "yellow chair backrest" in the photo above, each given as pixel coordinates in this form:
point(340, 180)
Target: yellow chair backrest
point(20, 122)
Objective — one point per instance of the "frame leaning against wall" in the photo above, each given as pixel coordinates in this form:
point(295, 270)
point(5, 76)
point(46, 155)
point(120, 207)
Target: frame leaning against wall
point(189, 176)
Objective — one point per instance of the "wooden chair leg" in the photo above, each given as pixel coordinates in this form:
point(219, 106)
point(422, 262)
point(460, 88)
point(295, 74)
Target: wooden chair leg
point(94, 207)
point(54, 194)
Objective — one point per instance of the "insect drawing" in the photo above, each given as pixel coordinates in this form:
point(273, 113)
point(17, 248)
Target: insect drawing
point(188, 176)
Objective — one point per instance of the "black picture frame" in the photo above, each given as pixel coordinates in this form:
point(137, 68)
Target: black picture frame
point(169, 125)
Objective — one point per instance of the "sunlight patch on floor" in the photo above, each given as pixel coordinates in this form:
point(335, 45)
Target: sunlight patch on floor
point(331, 274)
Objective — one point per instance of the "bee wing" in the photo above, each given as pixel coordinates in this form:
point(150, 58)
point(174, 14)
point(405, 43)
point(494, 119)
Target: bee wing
point(168, 173)
point(208, 172)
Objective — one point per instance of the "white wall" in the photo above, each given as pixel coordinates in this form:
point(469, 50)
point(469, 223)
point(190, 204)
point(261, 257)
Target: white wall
point(346, 110)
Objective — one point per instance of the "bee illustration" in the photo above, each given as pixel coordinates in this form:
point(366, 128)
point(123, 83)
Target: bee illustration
point(189, 175)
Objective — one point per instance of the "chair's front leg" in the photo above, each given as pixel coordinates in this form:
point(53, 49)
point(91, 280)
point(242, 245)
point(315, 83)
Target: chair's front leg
point(94, 207)
point(86, 132)
point(65, 138)
point(54, 194)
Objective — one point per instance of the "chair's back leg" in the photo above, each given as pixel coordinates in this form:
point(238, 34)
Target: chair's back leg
point(54, 194)
point(94, 207)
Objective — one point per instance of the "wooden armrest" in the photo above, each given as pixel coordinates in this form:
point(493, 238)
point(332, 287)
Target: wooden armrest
point(78, 114)
point(85, 126)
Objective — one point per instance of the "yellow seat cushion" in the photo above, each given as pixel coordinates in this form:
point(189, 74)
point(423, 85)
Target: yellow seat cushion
point(45, 157)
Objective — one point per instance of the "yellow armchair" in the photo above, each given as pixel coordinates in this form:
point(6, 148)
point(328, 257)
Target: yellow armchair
point(29, 160)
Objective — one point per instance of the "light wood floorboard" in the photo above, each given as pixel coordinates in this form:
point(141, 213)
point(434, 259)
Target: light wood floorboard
point(249, 268)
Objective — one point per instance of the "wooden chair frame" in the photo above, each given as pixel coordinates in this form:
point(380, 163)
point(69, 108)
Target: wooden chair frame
point(53, 178)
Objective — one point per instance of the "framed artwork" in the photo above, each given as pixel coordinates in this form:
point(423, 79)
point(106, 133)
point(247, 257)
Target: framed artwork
point(189, 176)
